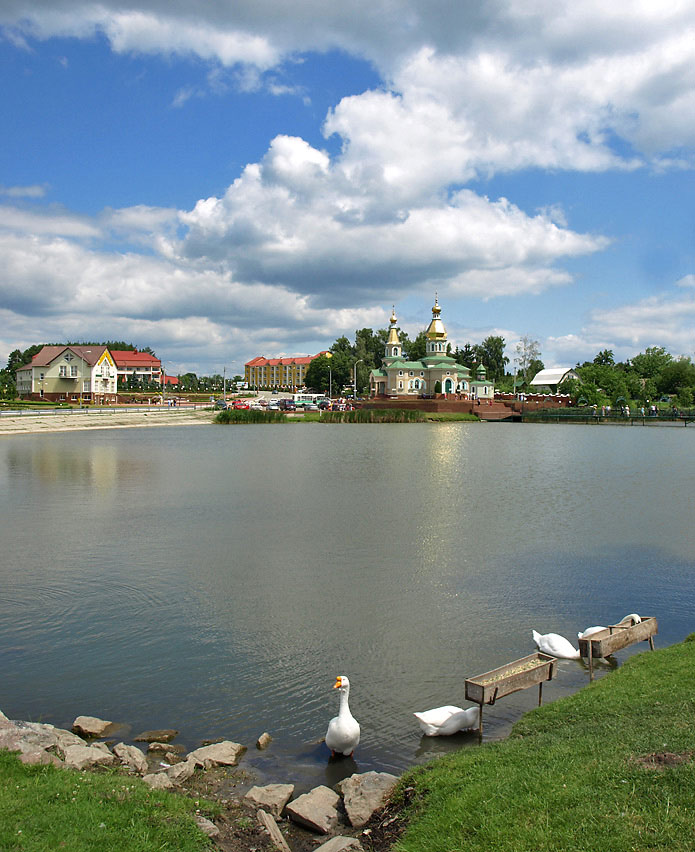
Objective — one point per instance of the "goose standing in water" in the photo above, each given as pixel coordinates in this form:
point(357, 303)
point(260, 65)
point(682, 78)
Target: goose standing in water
point(343, 732)
point(555, 645)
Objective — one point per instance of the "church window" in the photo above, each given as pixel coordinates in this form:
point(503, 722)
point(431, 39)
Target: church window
point(400, 385)
point(411, 373)
point(400, 372)
point(422, 372)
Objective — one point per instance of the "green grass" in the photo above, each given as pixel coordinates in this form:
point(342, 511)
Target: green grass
point(44, 809)
point(244, 415)
point(569, 776)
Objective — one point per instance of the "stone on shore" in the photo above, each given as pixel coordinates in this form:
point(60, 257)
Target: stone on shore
point(225, 753)
point(272, 798)
point(85, 757)
point(165, 747)
point(158, 781)
point(363, 794)
point(38, 757)
point(206, 826)
point(132, 757)
point(317, 810)
point(181, 771)
point(163, 736)
point(90, 726)
point(340, 844)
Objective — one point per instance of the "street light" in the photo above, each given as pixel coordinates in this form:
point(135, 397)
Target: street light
point(330, 383)
point(354, 378)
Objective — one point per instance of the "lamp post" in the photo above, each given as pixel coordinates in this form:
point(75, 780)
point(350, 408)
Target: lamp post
point(330, 383)
point(354, 378)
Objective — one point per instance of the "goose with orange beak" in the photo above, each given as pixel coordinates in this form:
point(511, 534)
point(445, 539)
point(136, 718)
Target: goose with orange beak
point(343, 732)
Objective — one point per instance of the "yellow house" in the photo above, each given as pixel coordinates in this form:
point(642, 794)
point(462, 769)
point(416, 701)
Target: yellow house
point(68, 374)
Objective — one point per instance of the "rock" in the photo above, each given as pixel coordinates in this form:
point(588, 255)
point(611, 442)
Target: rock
point(38, 757)
point(90, 726)
point(182, 771)
point(272, 797)
point(264, 741)
point(158, 781)
point(84, 757)
point(163, 736)
point(340, 844)
point(206, 826)
point(133, 757)
point(225, 753)
point(165, 747)
point(316, 810)
point(363, 794)
point(47, 736)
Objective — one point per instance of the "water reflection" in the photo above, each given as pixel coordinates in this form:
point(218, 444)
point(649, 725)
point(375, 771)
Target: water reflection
point(217, 581)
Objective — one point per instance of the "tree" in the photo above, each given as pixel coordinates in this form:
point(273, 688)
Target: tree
point(416, 349)
point(651, 362)
point(466, 356)
point(317, 376)
point(676, 375)
point(491, 353)
point(605, 358)
point(527, 351)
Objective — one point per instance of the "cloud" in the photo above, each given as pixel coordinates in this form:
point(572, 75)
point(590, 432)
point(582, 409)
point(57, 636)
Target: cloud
point(35, 191)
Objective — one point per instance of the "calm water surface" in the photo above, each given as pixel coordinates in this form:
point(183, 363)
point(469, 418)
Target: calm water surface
point(216, 580)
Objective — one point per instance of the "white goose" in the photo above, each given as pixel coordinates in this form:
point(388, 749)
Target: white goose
point(444, 721)
point(590, 631)
point(633, 617)
point(555, 645)
point(343, 732)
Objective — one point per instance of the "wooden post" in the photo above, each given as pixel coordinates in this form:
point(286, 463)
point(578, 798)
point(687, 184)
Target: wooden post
point(268, 822)
point(540, 693)
point(480, 724)
point(591, 662)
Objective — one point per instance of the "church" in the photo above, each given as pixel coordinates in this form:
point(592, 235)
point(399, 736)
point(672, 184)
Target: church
point(437, 373)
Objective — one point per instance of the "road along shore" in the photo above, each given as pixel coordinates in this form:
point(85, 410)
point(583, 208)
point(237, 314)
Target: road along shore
point(101, 419)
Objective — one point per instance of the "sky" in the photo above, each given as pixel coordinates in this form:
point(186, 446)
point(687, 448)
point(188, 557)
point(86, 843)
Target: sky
point(237, 178)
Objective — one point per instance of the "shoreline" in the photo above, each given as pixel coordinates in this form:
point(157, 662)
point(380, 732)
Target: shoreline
point(42, 423)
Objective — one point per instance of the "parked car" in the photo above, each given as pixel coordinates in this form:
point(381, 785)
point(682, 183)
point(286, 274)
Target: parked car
point(220, 404)
point(310, 406)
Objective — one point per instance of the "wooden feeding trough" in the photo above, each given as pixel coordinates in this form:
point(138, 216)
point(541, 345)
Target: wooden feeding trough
point(520, 674)
point(615, 637)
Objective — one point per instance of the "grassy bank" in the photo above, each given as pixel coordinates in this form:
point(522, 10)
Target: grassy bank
point(244, 415)
point(611, 768)
point(43, 809)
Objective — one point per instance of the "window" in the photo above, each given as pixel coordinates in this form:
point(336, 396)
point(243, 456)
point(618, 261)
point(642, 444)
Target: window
point(400, 373)
point(73, 372)
point(400, 385)
point(411, 373)
point(69, 356)
point(62, 371)
point(422, 373)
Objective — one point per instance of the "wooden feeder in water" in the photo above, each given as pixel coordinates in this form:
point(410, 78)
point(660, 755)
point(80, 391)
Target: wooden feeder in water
point(615, 637)
point(520, 674)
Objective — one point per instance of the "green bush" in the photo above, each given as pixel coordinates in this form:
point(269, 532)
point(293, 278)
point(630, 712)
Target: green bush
point(242, 415)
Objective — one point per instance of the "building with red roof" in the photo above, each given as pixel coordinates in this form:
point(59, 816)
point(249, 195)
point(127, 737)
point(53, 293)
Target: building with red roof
point(140, 367)
point(281, 373)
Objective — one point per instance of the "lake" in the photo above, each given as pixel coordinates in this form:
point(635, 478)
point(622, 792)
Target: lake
point(217, 579)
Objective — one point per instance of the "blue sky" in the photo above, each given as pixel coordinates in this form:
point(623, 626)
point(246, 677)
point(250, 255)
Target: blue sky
point(261, 179)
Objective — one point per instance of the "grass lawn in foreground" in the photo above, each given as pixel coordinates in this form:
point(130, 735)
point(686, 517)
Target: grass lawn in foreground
point(44, 809)
point(610, 768)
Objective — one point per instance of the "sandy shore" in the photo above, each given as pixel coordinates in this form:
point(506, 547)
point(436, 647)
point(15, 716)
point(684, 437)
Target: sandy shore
point(97, 419)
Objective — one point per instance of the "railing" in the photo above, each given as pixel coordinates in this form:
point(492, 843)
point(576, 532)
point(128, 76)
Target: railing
point(587, 416)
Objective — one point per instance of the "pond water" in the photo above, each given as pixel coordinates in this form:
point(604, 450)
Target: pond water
point(217, 579)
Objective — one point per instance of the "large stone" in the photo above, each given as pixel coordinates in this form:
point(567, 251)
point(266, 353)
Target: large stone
point(317, 810)
point(264, 741)
point(182, 771)
point(340, 844)
point(272, 797)
point(225, 753)
point(84, 757)
point(33, 756)
point(158, 781)
point(363, 794)
point(132, 757)
point(165, 747)
point(163, 736)
point(90, 726)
